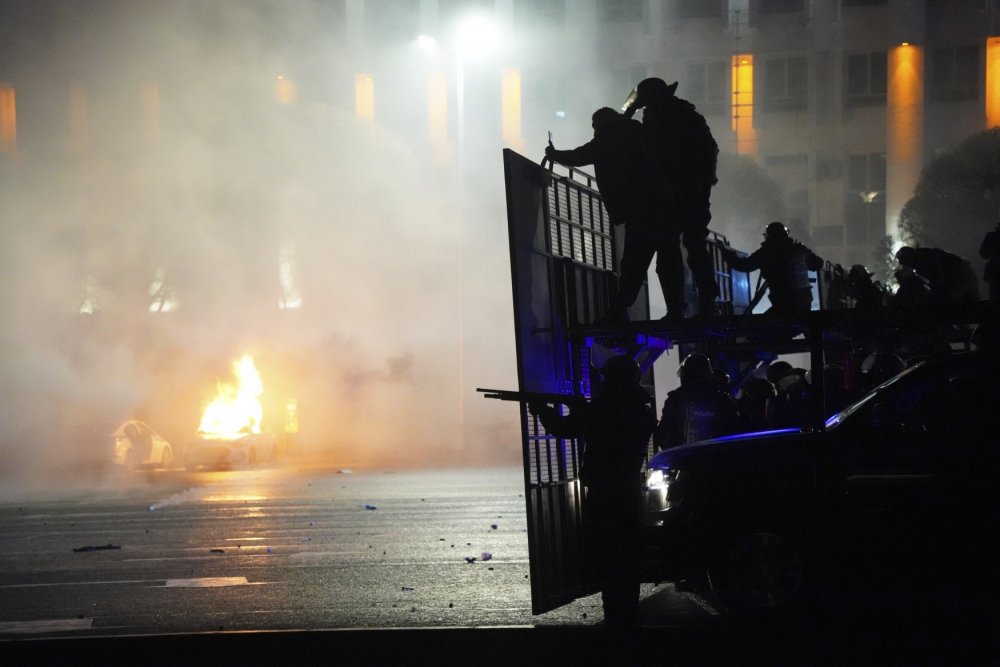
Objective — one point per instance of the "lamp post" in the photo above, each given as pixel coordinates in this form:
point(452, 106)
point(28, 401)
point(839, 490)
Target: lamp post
point(476, 35)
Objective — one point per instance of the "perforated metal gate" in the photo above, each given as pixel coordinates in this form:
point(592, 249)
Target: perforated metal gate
point(563, 260)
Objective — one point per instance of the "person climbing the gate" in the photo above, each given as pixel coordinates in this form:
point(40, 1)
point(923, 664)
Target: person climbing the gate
point(636, 196)
point(784, 265)
point(688, 155)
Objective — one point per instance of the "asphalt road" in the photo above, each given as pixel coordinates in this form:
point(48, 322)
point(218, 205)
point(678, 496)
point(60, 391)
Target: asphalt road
point(278, 549)
point(375, 567)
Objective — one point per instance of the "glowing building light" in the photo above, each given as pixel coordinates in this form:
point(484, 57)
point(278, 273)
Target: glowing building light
point(742, 85)
point(291, 297)
point(8, 120)
point(284, 90)
point(992, 82)
point(292, 415)
point(150, 112)
point(78, 126)
point(364, 97)
point(904, 130)
point(426, 43)
point(510, 108)
point(437, 114)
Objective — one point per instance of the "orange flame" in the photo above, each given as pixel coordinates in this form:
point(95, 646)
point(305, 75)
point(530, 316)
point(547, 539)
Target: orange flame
point(236, 409)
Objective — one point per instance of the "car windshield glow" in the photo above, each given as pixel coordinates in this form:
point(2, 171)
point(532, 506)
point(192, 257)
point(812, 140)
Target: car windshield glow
point(837, 419)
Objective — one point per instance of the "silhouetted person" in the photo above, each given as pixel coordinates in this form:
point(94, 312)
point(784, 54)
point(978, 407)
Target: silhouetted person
point(616, 426)
point(868, 295)
point(688, 155)
point(990, 251)
point(757, 403)
point(913, 292)
point(698, 409)
point(635, 194)
point(950, 277)
point(784, 264)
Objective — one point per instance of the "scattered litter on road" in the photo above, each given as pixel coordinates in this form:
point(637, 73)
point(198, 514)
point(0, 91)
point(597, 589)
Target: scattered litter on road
point(451, 605)
point(407, 588)
point(151, 508)
point(413, 608)
point(470, 559)
point(312, 523)
point(218, 551)
point(440, 539)
point(270, 550)
point(101, 547)
point(486, 555)
point(345, 471)
point(307, 539)
point(493, 526)
point(371, 507)
point(490, 569)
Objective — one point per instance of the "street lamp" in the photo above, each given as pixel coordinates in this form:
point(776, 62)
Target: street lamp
point(475, 35)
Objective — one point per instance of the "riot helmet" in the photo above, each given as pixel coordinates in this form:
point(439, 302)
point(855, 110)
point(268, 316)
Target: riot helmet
point(776, 231)
point(652, 90)
point(777, 370)
point(758, 389)
point(619, 373)
point(695, 367)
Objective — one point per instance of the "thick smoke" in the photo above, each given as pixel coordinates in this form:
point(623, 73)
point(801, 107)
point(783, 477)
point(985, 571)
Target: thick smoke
point(226, 201)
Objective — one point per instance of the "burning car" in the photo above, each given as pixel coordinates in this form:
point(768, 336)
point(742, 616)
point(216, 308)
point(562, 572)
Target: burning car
point(230, 431)
point(136, 445)
point(247, 449)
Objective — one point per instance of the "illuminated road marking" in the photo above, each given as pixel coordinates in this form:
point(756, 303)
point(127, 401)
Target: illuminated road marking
point(49, 625)
point(201, 582)
point(206, 582)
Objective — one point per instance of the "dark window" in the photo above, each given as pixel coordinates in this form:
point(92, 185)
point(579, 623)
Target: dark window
point(621, 11)
point(540, 13)
point(779, 6)
point(864, 205)
point(954, 74)
point(828, 235)
point(706, 86)
point(867, 80)
point(862, 3)
point(392, 21)
point(699, 9)
point(786, 84)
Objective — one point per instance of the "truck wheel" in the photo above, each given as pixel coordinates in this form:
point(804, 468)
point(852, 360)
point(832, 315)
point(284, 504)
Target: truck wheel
point(760, 573)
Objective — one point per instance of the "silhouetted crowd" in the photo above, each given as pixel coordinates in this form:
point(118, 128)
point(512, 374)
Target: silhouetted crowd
point(656, 179)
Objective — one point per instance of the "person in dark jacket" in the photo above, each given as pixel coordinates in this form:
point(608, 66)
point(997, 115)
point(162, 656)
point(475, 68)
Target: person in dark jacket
point(616, 427)
point(698, 409)
point(784, 264)
point(636, 195)
point(688, 155)
point(951, 278)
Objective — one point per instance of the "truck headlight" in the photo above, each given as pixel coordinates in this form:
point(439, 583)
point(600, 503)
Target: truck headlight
point(659, 479)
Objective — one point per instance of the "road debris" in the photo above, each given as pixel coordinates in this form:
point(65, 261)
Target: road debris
point(217, 551)
point(470, 559)
point(486, 555)
point(493, 526)
point(407, 588)
point(370, 507)
point(101, 547)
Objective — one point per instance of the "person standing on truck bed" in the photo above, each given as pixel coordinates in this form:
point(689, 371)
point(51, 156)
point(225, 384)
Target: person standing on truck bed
point(636, 196)
point(784, 264)
point(951, 278)
point(688, 155)
point(616, 427)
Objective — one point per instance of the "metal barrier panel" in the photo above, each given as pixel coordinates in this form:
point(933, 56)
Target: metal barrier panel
point(563, 256)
